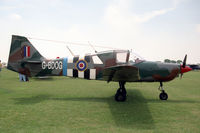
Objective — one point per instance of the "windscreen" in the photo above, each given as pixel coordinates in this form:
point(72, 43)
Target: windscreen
point(135, 58)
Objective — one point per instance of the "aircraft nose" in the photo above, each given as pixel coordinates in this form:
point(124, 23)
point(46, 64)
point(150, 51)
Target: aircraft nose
point(185, 69)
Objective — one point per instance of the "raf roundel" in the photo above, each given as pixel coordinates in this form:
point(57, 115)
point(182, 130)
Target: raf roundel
point(81, 65)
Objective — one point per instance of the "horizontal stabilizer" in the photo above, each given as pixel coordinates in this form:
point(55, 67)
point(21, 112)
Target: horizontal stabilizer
point(34, 62)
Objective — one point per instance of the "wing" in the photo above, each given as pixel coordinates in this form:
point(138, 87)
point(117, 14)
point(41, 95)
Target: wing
point(121, 73)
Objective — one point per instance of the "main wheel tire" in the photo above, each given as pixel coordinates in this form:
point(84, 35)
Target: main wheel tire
point(120, 97)
point(163, 96)
point(123, 91)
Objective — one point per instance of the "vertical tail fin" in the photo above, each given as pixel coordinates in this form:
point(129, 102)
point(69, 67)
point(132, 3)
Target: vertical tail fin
point(21, 52)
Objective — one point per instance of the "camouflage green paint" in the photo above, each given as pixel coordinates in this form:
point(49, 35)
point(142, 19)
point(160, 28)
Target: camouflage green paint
point(148, 69)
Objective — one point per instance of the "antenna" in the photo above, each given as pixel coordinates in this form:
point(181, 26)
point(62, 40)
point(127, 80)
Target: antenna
point(72, 43)
point(70, 51)
point(92, 47)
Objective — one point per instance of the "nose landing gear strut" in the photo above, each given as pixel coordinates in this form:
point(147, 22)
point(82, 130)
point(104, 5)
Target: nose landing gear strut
point(163, 94)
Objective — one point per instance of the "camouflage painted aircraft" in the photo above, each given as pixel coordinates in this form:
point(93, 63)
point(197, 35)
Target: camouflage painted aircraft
point(113, 65)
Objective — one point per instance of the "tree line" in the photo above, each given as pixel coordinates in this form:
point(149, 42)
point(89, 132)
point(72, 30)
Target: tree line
point(173, 61)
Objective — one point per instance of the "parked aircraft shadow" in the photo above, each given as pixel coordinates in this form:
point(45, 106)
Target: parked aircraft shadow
point(32, 100)
point(134, 113)
point(171, 101)
point(42, 78)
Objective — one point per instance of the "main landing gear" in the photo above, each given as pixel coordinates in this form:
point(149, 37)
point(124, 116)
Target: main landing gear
point(163, 94)
point(120, 95)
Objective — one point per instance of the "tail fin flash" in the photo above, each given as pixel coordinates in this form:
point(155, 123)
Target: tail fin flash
point(21, 52)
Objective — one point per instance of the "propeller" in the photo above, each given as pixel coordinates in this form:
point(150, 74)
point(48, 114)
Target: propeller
point(183, 67)
point(184, 61)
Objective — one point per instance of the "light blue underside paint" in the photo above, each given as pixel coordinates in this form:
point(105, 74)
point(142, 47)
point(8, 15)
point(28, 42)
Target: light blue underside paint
point(65, 67)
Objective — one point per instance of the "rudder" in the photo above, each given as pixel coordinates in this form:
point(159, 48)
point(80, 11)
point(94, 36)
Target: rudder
point(21, 52)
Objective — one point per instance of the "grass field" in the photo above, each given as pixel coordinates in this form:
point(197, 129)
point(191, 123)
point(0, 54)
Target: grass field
point(63, 104)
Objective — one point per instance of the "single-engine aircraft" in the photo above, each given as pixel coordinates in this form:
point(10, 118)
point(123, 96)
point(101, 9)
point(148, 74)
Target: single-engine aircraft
point(113, 65)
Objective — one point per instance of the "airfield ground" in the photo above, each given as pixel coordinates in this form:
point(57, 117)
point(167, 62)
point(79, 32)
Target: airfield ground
point(63, 104)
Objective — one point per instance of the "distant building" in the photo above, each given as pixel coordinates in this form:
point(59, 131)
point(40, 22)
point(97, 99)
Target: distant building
point(194, 67)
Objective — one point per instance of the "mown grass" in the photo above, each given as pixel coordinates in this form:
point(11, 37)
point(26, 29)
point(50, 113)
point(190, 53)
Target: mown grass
point(62, 104)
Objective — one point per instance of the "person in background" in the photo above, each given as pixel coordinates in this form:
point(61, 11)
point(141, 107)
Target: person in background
point(22, 77)
point(0, 66)
point(27, 78)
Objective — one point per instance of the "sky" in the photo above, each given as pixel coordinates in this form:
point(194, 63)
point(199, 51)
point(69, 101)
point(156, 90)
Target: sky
point(154, 29)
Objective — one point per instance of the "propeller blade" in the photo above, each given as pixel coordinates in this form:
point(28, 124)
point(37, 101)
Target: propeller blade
point(184, 61)
point(183, 67)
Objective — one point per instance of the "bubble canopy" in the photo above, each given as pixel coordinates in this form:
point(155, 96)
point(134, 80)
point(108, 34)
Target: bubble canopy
point(128, 56)
point(123, 56)
point(135, 58)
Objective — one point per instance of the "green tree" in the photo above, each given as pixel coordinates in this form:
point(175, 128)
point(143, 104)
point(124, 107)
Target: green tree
point(173, 61)
point(179, 61)
point(167, 61)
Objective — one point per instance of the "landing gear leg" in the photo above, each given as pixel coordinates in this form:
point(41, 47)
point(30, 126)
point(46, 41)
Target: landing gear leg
point(120, 95)
point(163, 94)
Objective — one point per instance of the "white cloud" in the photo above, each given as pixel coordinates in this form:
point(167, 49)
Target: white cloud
point(198, 28)
point(120, 21)
point(15, 16)
point(119, 14)
point(121, 27)
point(125, 26)
point(177, 2)
point(150, 15)
point(7, 8)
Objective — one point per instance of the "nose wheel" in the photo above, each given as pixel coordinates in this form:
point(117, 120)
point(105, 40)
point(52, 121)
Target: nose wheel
point(120, 95)
point(163, 95)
